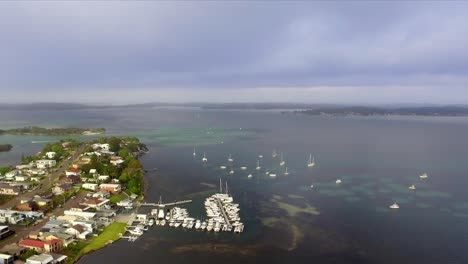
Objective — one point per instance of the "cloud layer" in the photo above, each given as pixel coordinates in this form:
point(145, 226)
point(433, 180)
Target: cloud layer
point(234, 51)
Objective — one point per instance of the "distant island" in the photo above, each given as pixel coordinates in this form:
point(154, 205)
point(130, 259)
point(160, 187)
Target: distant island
point(5, 147)
point(381, 111)
point(33, 130)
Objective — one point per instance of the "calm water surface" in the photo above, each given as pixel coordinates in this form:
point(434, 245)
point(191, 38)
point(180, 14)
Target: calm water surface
point(376, 158)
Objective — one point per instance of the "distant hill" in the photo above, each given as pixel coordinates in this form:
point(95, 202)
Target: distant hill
point(373, 111)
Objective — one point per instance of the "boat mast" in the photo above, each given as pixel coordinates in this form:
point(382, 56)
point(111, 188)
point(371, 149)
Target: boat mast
point(226, 188)
point(220, 186)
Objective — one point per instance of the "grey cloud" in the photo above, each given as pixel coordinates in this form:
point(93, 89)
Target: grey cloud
point(153, 46)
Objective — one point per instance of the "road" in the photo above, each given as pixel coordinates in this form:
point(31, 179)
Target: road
point(46, 183)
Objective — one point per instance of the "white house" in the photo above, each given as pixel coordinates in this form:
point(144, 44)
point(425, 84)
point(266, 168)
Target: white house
point(83, 215)
point(73, 171)
point(21, 178)
point(116, 160)
point(51, 154)
point(42, 164)
point(103, 177)
point(36, 172)
point(6, 259)
point(92, 171)
point(104, 146)
point(40, 259)
point(90, 186)
point(11, 174)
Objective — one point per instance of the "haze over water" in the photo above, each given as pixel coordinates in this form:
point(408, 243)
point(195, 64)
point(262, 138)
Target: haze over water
point(377, 158)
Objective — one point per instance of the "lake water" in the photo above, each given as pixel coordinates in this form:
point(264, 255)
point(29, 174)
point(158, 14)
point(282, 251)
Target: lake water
point(376, 158)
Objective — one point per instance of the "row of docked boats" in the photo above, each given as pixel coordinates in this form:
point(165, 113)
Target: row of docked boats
point(223, 213)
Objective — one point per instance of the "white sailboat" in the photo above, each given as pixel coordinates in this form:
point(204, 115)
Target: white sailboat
point(222, 167)
point(249, 176)
point(231, 172)
point(423, 176)
point(204, 157)
point(412, 187)
point(394, 206)
point(258, 165)
point(272, 175)
point(194, 152)
point(311, 162)
point(282, 161)
point(230, 159)
point(243, 168)
point(338, 181)
point(286, 171)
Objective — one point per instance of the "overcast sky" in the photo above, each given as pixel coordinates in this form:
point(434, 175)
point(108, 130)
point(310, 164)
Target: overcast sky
point(314, 52)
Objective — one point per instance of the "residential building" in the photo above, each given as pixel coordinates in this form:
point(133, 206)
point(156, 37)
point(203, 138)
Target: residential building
point(11, 174)
point(51, 154)
point(6, 259)
point(78, 231)
point(104, 178)
point(101, 194)
point(72, 179)
point(82, 215)
point(7, 189)
point(10, 217)
point(92, 171)
point(54, 245)
point(46, 163)
point(42, 201)
point(4, 232)
point(66, 238)
point(111, 187)
point(90, 186)
point(61, 188)
point(116, 160)
point(104, 146)
point(73, 171)
point(21, 178)
point(97, 203)
point(27, 206)
point(40, 259)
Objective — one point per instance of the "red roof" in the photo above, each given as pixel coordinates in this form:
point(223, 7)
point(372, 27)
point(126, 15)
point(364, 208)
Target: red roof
point(31, 243)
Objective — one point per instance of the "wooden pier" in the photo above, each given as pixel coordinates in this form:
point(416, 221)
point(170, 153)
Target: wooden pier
point(166, 204)
point(226, 218)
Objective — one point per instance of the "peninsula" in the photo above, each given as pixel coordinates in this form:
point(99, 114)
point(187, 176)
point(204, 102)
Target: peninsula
point(71, 131)
point(382, 111)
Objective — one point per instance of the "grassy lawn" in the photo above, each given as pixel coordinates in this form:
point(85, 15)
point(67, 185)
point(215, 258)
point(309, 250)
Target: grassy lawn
point(115, 198)
point(110, 233)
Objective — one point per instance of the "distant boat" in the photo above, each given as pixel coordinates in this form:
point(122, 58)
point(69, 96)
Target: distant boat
point(194, 153)
point(222, 167)
point(249, 176)
point(338, 181)
point(230, 159)
point(394, 206)
point(267, 172)
point(282, 161)
point(258, 165)
point(311, 162)
point(311, 186)
point(423, 176)
point(260, 156)
point(286, 171)
point(243, 168)
point(204, 157)
point(272, 175)
point(231, 172)
point(412, 187)
point(274, 154)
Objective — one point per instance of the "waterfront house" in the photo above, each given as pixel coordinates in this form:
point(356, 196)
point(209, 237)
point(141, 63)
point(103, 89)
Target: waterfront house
point(116, 160)
point(40, 259)
point(51, 154)
point(67, 239)
point(73, 171)
point(90, 186)
point(11, 174)
point(6, 189)
point(45, 163)
point(27, 206)
point(54, 245)
point(125, 203)
point(111, 187)
point(101, 194)
point(78, 231)
point(6, 259)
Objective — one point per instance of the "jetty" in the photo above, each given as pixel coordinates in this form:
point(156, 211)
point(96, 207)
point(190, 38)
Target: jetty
point(166, 204)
